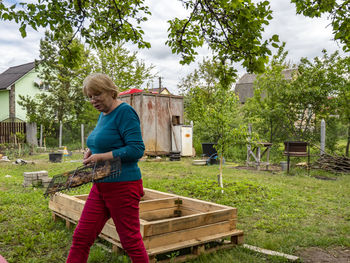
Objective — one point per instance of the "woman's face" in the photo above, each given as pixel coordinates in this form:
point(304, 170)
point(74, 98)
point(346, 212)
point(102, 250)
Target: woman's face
point(102, 101)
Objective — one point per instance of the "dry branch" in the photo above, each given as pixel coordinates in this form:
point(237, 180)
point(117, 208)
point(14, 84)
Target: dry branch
point(337, 164)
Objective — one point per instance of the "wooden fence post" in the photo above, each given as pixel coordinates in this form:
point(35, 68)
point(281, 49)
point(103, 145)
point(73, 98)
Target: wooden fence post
point(82, 137)
point(41, 135)
point(323, 136)
point(31, 131)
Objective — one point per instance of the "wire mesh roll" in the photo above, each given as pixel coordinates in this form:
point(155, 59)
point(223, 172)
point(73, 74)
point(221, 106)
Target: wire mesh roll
point(83, 175)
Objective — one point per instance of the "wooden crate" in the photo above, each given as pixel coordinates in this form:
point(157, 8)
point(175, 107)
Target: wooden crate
point(168, 223)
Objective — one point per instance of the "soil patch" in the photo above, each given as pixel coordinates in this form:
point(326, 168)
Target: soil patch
point(329, 255)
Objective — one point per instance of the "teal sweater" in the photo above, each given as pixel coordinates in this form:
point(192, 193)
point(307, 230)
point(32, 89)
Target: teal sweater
point(119, 131)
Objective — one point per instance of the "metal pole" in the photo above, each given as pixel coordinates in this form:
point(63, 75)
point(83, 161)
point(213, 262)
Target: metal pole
point(323, 136)
point(60, 136)
point(160, 85)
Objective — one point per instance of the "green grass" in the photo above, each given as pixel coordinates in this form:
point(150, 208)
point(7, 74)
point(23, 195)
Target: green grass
point(276, 211)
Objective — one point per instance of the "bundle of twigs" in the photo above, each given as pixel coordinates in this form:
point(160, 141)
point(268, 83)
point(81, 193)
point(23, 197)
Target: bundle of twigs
point(337, 164)
point(83, 175)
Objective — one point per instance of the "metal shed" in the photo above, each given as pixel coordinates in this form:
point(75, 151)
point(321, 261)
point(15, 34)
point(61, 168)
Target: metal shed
point(158, 114)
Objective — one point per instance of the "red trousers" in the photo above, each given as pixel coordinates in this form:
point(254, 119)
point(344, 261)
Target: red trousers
point(120, 201)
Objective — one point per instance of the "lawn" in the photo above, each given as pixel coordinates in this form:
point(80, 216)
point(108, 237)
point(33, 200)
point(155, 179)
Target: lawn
point(285, 213)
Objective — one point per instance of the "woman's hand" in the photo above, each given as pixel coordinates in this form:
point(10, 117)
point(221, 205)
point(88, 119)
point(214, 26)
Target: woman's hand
point(94, 158)
point(87, 154)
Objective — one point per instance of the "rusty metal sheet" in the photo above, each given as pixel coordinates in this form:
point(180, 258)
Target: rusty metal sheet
point(155, 112)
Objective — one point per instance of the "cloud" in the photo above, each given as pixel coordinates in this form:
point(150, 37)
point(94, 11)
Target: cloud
point(304, 37)
point(15, 50)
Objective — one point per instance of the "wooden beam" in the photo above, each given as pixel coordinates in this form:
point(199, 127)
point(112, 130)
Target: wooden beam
point(270, 252)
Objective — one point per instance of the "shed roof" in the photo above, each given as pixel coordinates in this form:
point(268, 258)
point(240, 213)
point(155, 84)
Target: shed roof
point(12, 74)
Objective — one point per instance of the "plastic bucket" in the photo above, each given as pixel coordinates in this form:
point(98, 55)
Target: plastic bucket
point(55, 157)
point(208, 149)
point(284, 166)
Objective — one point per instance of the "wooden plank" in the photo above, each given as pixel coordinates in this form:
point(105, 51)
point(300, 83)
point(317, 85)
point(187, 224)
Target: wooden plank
point(192, 242)
point(151, 205)
point(271, 252)
point(187, 257)
point(191, 203)
point(68, 201)
point(197, 250)
point(63, 210)
point(166, 214)
point(238, 240)
point(189, 221)
point(153, 194)
point(158, 214)
point(82, 197)
point(202, 206)
point(188, 234)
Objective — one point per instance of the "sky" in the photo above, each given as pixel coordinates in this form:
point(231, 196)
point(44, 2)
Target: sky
point(304, 37)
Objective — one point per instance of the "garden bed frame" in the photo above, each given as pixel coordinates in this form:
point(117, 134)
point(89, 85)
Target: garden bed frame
point(169, 224)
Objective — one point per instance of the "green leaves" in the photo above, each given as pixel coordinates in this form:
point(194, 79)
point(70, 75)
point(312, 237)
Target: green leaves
point(125, 69)
point(290, 101)
point(231, 29)
point(100, 23)
point(22, 29)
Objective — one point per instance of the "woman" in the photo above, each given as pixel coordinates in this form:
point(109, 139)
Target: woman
point(117, 134)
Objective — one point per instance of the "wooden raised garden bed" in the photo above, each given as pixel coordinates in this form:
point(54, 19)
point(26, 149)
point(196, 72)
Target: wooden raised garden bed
point(168, 223)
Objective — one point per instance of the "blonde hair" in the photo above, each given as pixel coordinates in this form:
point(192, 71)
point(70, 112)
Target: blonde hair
point(99, 83)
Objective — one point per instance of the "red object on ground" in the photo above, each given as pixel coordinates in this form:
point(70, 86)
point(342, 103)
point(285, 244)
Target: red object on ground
point(2, 260)
point(130, 91)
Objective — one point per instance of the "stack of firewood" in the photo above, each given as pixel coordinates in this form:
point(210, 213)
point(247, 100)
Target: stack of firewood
point(337, 164)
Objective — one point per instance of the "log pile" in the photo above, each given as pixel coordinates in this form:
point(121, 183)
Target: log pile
point(337, 164)
point(83, 175)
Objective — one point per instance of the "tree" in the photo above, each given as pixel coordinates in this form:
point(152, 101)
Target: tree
point(100, 23)
point(213, 109)
point(309, 96)
point(198, 88)
point(222, 119)
point(231, 29)
point(266, 111)
point(293, 109)
point(62, 75)
point(125, 69)
point(341, 84)
point(338, 11)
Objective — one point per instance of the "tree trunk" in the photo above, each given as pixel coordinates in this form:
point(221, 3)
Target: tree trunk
point(271, 130)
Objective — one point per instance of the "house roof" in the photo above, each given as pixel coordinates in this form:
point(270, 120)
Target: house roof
point(250, 78)
point(247, 78)
point(130, 91)
point(11, 75)
point(156, 90)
